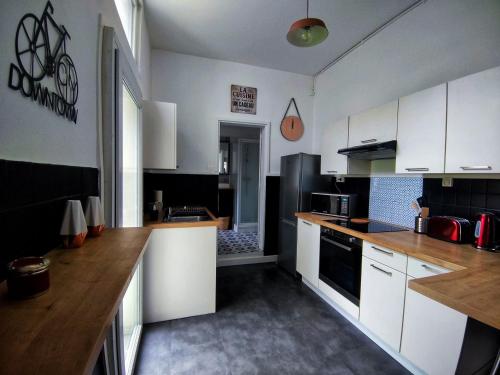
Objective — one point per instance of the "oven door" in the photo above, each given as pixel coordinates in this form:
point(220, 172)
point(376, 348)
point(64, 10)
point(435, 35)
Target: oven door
point(340, 267)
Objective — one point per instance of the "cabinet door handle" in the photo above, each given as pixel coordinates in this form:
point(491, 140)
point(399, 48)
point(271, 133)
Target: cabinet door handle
point(383, 251)
point(369, 140)
point(477, 168)
point(431, 269)
point(331, 171)
point(381, 270)
point(417, 169)
point(306, 223)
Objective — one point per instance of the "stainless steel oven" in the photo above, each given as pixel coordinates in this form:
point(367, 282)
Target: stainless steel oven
point(340, 263)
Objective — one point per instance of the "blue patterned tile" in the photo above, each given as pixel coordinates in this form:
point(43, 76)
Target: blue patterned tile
point(391, 197)
point(231, 242)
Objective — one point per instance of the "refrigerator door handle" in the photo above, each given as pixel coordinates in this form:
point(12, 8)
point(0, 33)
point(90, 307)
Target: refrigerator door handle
point(288, 222)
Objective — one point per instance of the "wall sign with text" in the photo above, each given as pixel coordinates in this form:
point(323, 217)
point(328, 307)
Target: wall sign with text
point(44, 71)
point(243, 99)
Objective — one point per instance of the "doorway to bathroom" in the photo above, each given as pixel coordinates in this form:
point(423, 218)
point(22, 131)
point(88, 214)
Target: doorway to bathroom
point(241, 172)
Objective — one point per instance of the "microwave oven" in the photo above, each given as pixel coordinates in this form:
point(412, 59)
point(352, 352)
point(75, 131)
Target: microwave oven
point(340, 205)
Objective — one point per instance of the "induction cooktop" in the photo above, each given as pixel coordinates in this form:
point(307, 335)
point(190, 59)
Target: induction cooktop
point(368, 226)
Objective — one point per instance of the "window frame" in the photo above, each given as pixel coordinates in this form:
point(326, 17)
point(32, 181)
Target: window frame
point(135, 27)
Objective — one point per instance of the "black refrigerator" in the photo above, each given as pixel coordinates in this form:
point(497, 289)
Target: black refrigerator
point(300, 175)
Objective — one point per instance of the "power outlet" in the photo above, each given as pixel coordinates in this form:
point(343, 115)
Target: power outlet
point(447, 182)
point(340, 179)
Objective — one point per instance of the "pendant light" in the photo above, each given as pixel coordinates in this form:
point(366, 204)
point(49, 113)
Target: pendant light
point(307, 32)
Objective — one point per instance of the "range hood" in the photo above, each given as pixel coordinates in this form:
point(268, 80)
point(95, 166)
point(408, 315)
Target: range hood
point(374, 151)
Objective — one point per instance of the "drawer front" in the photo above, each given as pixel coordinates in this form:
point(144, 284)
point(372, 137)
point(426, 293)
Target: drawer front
point(418, 268)
point(385, 256)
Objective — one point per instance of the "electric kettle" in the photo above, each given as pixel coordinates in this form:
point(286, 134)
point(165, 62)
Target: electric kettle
point(486, 234)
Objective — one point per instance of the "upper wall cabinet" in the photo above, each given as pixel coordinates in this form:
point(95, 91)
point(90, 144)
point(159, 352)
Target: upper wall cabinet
point(334, 137)
point(422, 131)
point(159, 135)
point(376, 125)
point(473, 130)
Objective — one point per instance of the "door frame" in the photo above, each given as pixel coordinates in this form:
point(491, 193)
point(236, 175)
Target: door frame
point(238, 223)
point(264, 164)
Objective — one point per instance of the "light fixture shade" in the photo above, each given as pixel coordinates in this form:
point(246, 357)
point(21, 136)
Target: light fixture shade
point(307, 32)
point(94, 216)
point(73, 227)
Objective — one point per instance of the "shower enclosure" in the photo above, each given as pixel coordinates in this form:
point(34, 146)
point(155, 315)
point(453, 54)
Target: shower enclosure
point(248, 192)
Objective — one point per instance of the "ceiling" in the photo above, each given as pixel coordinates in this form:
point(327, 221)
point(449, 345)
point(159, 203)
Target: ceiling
point(254, 31)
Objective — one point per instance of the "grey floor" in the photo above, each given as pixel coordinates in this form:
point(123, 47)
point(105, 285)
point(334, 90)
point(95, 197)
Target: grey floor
point(266, 323)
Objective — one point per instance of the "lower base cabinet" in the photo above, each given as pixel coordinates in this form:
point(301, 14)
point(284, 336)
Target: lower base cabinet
point(382, 301)
point(432, 334)
point(179, 273)
point(427, 333)
point(308, 239)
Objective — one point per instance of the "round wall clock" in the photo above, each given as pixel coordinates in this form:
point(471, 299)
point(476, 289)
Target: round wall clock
point(292, 128)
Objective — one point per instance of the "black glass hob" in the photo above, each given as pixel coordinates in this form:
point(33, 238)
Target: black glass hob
point(370, 226)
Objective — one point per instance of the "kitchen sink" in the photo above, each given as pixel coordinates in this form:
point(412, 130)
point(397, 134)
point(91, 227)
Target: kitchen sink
point(184, 218)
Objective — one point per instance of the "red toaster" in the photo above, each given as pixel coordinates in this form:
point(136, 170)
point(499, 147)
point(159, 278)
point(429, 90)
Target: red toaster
point(449, 228)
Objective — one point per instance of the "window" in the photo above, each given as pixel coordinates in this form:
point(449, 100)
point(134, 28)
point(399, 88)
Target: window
point(130, 172)
point(128, 10)
point(130, 181)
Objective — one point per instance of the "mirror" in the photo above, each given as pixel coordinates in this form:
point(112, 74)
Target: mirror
point(224, 156)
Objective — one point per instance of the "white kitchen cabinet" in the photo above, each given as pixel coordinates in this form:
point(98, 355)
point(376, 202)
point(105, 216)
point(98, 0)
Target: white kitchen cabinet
point(159, 135)
point(382, 301)
point(334, 137)
point(473, 129)
point(179, 273)
point(375, 125)
point(432, 334)
point(422, 131)
point(308, 238)
point(418, 268)
point(385, 256)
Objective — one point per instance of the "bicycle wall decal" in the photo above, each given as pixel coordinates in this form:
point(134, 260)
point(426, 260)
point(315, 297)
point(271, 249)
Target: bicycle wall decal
point(40, 47)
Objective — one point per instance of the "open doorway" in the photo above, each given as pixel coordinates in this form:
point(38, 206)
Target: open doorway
point(241, 171)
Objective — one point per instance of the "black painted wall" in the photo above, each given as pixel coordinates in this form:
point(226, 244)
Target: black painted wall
point(32, 200)
point(272, 218)
point(355, 185)
point(466, 198)
point(183, 190)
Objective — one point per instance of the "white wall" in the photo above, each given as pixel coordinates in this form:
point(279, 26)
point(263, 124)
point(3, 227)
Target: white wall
point(30, 132)
point(438, 41)
point(201, 89)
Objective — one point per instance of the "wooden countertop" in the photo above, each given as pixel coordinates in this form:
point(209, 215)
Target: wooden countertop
point(63, 330)
point(471, 289)
point(159, 224)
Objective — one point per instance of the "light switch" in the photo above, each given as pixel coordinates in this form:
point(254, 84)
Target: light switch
point(447, 182)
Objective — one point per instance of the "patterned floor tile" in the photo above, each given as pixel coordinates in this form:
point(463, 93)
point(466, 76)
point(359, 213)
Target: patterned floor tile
point(231, 242)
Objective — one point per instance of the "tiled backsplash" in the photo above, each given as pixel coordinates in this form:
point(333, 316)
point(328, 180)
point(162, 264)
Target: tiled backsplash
point(391, 197)
point(32, 200)
point(466, 198)
point(183, 189)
